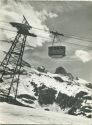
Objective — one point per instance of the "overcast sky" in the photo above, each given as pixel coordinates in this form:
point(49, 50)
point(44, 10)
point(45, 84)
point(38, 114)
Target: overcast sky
point(72, 18)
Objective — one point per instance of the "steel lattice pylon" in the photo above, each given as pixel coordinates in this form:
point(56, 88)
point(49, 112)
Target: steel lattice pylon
point(16, 50)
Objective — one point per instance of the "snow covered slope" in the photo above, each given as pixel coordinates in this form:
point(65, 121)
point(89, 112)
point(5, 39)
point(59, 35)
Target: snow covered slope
point(53, 92)
point(12, 114)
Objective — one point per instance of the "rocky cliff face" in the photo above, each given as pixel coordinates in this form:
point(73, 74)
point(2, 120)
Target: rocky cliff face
point(56, 92)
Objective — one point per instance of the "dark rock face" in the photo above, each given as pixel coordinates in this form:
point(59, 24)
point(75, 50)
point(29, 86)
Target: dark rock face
point(80, 94)
point(35, 88)
point(80, 98)
point(42, 69)
point(11, 100)
point(71, 77)
point(89, 85)
point(46, 96)
point(26, 96)
point(65, 101)
point(58, 79)
point(60, 70)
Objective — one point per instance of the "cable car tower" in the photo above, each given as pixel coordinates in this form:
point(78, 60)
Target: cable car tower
point(16, 50)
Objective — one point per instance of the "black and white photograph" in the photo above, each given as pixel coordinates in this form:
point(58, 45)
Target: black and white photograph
point(45, 62)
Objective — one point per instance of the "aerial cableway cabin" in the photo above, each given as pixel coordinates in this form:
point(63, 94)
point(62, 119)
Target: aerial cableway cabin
point(56, 51)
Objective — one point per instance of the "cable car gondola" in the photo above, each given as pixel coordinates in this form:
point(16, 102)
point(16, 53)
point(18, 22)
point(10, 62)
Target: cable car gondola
point(56, 51)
